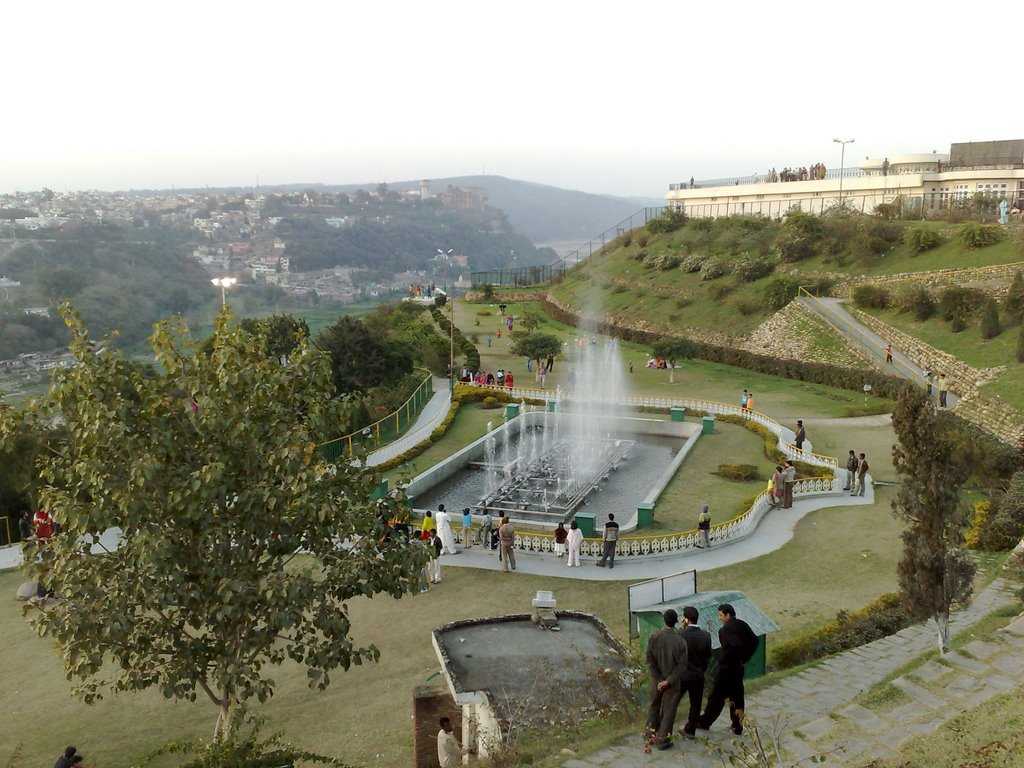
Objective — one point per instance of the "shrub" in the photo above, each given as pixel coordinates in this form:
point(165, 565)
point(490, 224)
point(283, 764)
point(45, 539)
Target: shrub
point(780, 291)
point(714, 268)
point(627, 240)
point(975, 235)
point(921, 239)
point(667, 261)
point(490, 403)
point(488, 292)
point(669, 221)
point(1013, 303)
point(1004, 525)
point(693, 262)
point(747, 307)
point(880, 618)
point(740, 472)
point(871, 297)
point(918, 300)
point(961, 304)
point(484, 313)
point(990, 327)
point(887, 211)
point(642, 241)
point(797, 237)
point(619, 289)
point(683, 302)
point(749, 270)
point(979, 522)
point(640, 255)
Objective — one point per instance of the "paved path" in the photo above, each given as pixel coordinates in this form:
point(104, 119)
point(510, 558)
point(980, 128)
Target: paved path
point(775, 530)
point(833, 312)
point(430, 417)
point(817, 711)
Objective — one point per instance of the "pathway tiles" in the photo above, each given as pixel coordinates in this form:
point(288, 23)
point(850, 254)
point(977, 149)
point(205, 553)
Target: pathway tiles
point(816, 708)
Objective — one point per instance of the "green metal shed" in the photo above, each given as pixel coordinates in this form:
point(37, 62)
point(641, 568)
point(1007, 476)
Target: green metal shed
point(648, 619)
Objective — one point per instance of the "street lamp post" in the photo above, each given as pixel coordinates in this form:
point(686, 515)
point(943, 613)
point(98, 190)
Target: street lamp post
point(842, 164)
point(224, 283)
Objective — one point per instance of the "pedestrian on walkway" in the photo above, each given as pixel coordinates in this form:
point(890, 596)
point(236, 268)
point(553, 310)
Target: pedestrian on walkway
point(560, 538)
point(789, 479)
point(507, 542)
point(801, 435)
point(738, 645)
point(698, 655)
point(666, 659)
point(444, 531)
point(428, 526)
point(574, 542)
point(888, 353)
point(743, 399)
point(862, 472)
point(434, 564)
point(943, 390)
point(485, 531)
point(467, 528)
point(851, 471)
point(611, 538)
point(929, 380)
point(778, 485)
point(750, 402)
point(704, 526)
point(550, 363)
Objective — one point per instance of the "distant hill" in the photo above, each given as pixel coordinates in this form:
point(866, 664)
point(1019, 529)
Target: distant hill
point(543, 213)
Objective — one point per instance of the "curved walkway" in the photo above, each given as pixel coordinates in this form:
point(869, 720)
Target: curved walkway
point(833, 312)
point(430, 417)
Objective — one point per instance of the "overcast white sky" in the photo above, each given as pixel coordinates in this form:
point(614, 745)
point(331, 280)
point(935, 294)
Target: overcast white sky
point(619, 98)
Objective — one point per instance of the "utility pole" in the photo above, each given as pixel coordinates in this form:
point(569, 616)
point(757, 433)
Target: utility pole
point(842, 164)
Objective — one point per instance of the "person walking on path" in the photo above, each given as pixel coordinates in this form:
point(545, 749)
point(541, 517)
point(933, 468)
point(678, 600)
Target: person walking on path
point(611, 538)
point(444, 530)
point(778, 485)
point(428, 526)
point(789, 480)
point(507, 543)
point(943, 390)
point(862, 471)
point(667, 661)
point(743, 399)
point(801, 435)
point(929, 380)
point(434, 563)
point(750, 402)
point(485, 531)
point(698, 655)
point(704, 527)
point(467, 528)
point(738, 645)
point(851, 471)
point(888, 353)
point(449, 751)
point(560, 537)
point(574, 541)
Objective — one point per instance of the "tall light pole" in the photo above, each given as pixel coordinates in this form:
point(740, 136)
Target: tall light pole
point(842, 164)
point(224, 283)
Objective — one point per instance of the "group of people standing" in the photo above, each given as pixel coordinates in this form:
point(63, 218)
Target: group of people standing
point(814, 173)
point(678, 661)
point(857, 470)
point(501, 378)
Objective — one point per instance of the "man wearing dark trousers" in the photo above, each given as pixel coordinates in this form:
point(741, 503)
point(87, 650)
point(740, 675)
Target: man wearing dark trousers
point(611, 539)
point(666, 658)
point(698, 654)
point(738, 643)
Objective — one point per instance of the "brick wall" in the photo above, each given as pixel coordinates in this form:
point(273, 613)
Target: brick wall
point(429, 704)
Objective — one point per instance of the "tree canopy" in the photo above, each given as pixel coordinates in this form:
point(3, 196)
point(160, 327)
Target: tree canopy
point(360, 359)
point(537, 346)
point(240, 546)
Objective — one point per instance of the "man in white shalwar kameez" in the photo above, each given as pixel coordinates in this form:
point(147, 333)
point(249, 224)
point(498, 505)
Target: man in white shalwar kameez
point(444, 530)
point(574, 542)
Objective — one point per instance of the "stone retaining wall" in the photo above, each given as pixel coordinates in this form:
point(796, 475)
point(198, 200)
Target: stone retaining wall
point(993, 280)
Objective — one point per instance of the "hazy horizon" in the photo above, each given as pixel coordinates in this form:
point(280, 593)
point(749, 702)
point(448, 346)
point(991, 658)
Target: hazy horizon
point(119, 96)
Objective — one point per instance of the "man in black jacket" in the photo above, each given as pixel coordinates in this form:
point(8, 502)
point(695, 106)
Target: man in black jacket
point(738, 643)
point(666, 657)
point(698, 654)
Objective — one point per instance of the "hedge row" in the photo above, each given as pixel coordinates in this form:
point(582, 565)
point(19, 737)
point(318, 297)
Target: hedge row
point(880, 618)
point(464, 345)
point(816, 373)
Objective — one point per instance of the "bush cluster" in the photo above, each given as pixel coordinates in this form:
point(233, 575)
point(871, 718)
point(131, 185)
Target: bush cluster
point(490, 403)
point(750, 269)
point(669, 221)
point(880, 618)
point(740, 472)
point(917, 300)
point(921, 239)
point(998, 525)
point(780, 291)
point(871, 297)
point(975, 235)
point(715, 268)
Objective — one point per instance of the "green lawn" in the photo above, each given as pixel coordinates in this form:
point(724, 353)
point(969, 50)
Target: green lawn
point(860, 545)
point(783, 399)
point(694, 483)
point(971, 348)
point(469, 424)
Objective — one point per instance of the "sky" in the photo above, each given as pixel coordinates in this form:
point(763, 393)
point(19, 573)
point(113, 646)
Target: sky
point(617, 98)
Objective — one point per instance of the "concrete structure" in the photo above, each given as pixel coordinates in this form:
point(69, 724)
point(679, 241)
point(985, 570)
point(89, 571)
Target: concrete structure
point(510, 672)
point(927, 182)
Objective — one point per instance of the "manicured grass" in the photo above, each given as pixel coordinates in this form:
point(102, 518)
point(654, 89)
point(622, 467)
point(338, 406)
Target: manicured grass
point(694, 483)
point(971, 348)
point(859, 544)
point(470, 423)
point(784, 399)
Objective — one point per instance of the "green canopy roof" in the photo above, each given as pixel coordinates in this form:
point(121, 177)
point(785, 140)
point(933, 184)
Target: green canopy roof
point(707, 604)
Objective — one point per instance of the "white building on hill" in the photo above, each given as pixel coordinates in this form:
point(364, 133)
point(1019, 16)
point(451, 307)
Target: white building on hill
point(923, 181)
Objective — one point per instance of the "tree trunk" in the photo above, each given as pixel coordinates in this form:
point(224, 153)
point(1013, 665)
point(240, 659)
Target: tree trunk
point(942, 623)
point(222, 729)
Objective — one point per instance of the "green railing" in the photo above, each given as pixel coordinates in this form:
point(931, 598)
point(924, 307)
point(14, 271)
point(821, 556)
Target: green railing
point(384, 430)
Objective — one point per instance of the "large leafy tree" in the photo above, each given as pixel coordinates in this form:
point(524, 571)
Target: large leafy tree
point(537, 346)
point(240, 547)
point(360, 359)
point(672, 351)
point(934, 572)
